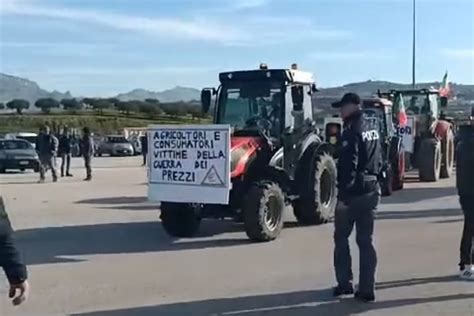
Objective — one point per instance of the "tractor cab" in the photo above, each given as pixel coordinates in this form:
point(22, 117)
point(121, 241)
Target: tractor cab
point(267, 108)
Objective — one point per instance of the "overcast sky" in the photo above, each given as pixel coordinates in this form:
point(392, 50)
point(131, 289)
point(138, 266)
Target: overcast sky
point(102, 47)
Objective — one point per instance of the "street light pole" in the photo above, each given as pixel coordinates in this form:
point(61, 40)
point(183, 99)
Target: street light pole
point(414, 46)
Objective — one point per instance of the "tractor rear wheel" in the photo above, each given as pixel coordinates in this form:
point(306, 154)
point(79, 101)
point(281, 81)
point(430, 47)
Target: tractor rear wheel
point(447, 160)
point(317, 178)
point(398, 169)
point(263, 211)
point(429, 160)
point(179, 219)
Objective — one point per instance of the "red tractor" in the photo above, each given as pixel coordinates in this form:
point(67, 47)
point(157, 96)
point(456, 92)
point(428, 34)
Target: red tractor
point(277, 158)
point(433, 136)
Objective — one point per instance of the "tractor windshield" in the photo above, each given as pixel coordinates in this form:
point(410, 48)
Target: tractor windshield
point(417, 104)
point(250, 106)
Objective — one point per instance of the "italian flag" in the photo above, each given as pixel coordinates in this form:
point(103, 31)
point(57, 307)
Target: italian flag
point(399, 110)
point(444, 88)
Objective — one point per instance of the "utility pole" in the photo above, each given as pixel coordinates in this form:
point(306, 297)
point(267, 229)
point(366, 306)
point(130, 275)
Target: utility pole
point(414, 46)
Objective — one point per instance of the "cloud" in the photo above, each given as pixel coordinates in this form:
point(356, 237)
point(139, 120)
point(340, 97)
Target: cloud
point(457, 53)
point(349, 56)
point(250, 4)
point(227, 29)
point(123, 71)
point(153, 26)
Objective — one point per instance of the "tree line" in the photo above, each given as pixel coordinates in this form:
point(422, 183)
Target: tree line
point(149, 107)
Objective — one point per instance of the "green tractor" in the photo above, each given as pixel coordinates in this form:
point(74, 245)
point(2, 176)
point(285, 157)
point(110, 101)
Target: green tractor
point(430, 133)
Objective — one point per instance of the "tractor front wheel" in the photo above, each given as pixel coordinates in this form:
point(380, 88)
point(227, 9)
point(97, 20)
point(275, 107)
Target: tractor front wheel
point(263, 211)
point(429, 160)
point(179, 219)
point(318, 192)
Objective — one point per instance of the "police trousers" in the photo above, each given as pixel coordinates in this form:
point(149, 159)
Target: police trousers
point(361, 214)
point(47, 162)
point(466, 249)
point(87, 165)
point(65, 163)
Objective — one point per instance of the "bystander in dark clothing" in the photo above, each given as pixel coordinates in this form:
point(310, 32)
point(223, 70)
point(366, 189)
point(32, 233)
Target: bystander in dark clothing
point(87, 151)
point(144, 145)
point(465, 187)
point(10, 260)
point(359, 167)
point(65, 152)
point(47, 148)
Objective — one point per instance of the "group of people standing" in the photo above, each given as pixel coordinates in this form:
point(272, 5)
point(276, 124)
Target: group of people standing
point(50, 147)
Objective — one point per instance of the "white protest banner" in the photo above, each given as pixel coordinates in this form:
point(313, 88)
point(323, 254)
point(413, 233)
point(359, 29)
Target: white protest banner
point(408, 134)
point(189, 164)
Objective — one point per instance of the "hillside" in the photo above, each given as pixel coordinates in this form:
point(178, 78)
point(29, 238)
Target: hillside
point(172, 95)
point(12, 87)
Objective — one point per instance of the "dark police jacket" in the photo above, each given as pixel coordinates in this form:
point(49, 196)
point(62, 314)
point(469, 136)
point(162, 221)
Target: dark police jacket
point(65, 144)
point(465, 161)
point(9, 256)
point(47, 145)
point(360, 156)
point(87, 146)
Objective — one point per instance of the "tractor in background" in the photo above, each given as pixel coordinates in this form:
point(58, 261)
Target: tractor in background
point(433, 137)
point(277, 157)
point(393, 172)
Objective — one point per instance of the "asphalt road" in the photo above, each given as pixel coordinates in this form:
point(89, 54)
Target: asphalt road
point(98, 249)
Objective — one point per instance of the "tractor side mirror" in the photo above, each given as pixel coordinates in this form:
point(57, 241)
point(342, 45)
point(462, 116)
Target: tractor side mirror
point(314, 89)
point(297, 96)
point(444, 102)
point(206, 96)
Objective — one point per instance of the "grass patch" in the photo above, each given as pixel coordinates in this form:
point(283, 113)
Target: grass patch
point(108, 122)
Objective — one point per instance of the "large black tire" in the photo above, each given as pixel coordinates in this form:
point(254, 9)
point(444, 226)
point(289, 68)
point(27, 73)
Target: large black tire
point(387, 182)
point(398, 168)
point(447, 154)
point(429, 160)
point(263, 211)
point(179, 219)
point(317, 178)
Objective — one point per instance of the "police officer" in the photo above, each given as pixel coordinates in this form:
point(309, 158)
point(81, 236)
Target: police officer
point(65, 152)
point(87, 150)
point(359, 166)
point(144, 145)
point(14, 269)
point(465, 187)
point(47, 148)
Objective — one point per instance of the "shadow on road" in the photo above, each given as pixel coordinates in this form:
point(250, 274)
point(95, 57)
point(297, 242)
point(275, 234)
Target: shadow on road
point(55, 244)
point(419, 214)
point(115, 200)
point(412, 195)
point(317, 302)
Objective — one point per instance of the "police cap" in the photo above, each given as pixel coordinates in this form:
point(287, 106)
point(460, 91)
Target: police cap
point(348, 98)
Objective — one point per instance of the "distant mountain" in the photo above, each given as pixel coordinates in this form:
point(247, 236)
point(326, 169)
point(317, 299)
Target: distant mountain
point(172, 95)
point(12, 87)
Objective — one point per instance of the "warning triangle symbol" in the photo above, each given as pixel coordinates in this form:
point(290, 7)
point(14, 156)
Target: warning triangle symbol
point(212, 177)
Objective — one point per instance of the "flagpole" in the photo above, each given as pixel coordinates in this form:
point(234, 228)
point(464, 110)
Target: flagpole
point(413, 70)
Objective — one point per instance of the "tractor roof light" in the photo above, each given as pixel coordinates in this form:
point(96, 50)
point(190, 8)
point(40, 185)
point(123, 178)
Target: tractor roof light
point(263, 66)
point(294, 66)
